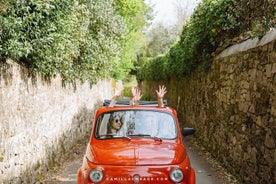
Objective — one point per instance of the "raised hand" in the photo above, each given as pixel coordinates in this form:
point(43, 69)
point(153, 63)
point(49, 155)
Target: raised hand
point(118, 91)
point(136, 95)
point(117, 94)
point(160, 94)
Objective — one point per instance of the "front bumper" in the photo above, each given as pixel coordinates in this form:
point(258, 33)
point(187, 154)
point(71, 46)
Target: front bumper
point(137, 174)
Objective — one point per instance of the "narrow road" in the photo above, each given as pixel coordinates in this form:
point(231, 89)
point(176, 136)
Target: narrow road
point(207, 170)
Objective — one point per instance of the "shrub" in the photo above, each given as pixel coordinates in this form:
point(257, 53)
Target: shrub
point(77, 39)
point(212, 25)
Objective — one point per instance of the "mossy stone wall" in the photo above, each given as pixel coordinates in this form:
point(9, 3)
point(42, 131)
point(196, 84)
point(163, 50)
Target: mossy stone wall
point(233, 108)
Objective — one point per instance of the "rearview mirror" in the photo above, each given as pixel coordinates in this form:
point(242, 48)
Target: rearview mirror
point(188, 131)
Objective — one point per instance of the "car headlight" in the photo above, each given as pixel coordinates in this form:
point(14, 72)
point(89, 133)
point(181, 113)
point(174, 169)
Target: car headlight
point(176, 175)
point(96, 175)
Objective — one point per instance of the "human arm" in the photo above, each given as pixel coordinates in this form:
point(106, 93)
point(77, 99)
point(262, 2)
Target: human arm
point(136, 96)
point(116, 96)
point(160, 94)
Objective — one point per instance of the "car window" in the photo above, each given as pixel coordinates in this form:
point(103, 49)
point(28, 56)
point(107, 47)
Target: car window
point(136, 123)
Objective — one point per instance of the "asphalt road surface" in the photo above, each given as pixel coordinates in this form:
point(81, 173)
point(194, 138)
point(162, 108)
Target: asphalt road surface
point(208, 171)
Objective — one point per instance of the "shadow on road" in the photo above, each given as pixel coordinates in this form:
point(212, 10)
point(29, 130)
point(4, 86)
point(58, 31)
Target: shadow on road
point(207, 170)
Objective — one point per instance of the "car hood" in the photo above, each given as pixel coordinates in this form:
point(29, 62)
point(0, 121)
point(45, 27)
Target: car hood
point(131, 152)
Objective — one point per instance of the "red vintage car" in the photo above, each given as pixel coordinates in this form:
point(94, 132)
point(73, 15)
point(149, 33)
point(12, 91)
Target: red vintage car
point(136, 144)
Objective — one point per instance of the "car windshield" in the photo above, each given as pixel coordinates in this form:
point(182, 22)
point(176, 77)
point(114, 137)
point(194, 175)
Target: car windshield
point(136, 123)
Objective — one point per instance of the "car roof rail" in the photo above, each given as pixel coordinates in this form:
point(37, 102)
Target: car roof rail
point(127, 102)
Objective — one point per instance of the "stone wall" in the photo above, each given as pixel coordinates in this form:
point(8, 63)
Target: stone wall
point(40, 119)
point(233, 108)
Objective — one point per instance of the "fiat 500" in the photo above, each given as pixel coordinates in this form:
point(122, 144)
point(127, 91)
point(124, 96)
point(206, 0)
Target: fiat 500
point(136, 144)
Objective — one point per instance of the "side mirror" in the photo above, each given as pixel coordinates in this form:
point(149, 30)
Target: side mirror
point(188, 131)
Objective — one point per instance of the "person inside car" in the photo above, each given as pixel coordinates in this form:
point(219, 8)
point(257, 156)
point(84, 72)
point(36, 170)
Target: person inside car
point(148, 124)
point(115, 124)
point(160, 94)
point(136, 95)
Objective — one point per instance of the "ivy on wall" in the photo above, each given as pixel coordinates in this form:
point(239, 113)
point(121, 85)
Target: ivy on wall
point(212, 26)
point(80, 40)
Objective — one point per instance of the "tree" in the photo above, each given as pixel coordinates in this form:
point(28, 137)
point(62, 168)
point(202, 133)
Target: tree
point(159, 40)
point(161, 37)
point(213, 24)
point(80, 40)
point(134, 14)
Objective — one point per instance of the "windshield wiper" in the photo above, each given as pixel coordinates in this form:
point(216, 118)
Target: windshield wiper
point(121, 136)
point(113, 136)
point(143, 135)
point(105, 136)
point(155, 138)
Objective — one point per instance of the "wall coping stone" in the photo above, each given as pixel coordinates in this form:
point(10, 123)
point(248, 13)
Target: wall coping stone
point(248, 44)
point(269, 37)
